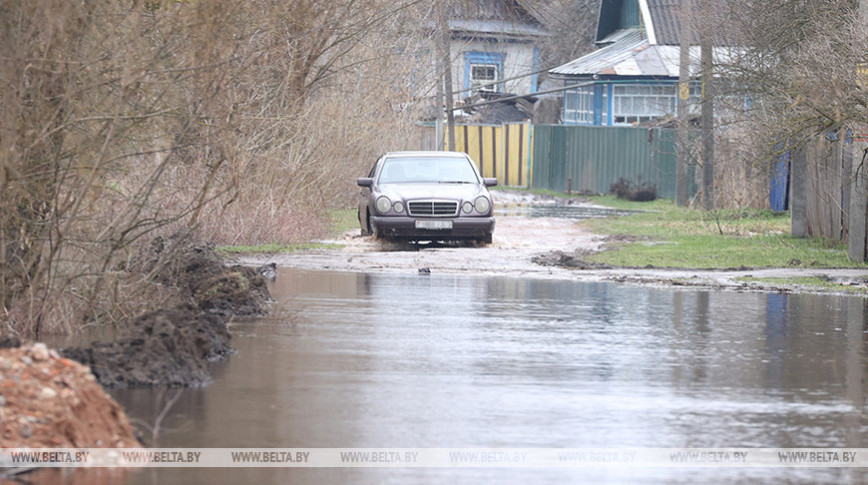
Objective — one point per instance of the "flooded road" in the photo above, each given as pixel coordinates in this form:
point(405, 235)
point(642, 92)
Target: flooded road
point(355, 360)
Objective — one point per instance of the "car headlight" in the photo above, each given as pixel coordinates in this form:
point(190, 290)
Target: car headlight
point(398, 207)
point(482, 204)
point(467, 207)
point(383, 204)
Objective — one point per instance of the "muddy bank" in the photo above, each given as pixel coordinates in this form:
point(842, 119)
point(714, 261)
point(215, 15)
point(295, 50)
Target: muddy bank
point(50, 401)
point(166, 347)
point(174, 346)
point(561, 259)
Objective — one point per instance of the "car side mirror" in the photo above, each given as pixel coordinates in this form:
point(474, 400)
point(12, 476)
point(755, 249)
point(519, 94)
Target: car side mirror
point(489, 182)
point(365, 182)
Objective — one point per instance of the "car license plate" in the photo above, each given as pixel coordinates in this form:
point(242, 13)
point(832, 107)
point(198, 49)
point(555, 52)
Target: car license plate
point(434, 225)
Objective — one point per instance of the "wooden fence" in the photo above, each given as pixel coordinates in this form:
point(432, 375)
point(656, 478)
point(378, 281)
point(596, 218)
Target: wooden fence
point(828, 172)
point(504, 152)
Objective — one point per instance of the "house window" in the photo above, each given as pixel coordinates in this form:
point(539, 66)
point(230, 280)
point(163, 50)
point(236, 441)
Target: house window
point(635, 103)
point(579, 105)
point(482, 68)
point(482, 75)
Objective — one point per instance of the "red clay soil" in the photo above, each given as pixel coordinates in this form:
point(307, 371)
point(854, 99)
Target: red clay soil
point(50, 401)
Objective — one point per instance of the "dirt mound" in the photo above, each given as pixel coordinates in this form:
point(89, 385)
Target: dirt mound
point(194, 267)
point(49, 401)
point(166, 347)
point(566, 260)
point(239, 290)
point(173, 346)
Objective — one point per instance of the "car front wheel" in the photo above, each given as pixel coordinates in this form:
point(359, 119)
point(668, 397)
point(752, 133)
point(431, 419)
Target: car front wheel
point(365, 224)
point(372, 228)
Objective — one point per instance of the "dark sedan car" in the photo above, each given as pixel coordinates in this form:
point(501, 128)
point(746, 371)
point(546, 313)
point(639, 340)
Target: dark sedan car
point(426, 196)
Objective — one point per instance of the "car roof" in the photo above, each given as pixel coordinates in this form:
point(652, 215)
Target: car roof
point(430, 153)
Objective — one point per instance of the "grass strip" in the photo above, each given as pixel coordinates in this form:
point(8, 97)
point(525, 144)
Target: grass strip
point(672, 237)
point(816, 283)
point(276, 248)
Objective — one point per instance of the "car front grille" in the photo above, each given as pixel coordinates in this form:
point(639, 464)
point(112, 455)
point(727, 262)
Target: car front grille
point(433, 208)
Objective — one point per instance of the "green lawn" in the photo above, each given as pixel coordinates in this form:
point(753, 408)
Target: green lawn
point(344, 220)
point(671, 237)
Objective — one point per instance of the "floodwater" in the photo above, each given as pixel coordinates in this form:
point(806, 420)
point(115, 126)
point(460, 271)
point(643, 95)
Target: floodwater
point(559, 211)
point(358, 360)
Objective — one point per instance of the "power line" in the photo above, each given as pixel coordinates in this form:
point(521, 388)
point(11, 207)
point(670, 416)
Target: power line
point(518, 96)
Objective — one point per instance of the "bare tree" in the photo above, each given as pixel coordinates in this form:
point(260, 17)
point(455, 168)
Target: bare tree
point(242, 120)
point(800, 64)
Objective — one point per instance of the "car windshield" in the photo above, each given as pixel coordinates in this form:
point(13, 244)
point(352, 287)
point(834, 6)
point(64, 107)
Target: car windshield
point(444, 170)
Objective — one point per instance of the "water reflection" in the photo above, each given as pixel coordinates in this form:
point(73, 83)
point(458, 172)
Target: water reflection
point(384, 360)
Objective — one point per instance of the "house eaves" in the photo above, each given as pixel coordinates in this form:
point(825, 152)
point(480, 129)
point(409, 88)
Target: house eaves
point(497, 29)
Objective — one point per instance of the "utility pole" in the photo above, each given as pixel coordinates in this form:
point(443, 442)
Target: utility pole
point(682, 132)
point(439, 137)
point(706, 45)
point(446, 59)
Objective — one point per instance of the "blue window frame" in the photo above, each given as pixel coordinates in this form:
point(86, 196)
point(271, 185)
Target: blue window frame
point(579, 106)
point(483, 67)
point(534, 80)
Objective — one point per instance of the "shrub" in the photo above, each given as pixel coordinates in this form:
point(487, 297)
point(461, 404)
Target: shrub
point(640, 192)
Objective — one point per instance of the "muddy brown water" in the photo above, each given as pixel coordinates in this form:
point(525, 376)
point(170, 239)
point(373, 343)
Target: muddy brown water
point(359, 360)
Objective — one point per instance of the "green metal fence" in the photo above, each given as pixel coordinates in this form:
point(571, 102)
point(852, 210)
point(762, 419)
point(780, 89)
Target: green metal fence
point(592, 158)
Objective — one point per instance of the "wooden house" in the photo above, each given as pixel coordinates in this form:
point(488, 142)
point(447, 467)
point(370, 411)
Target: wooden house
point(632, 78)
point(493, 40)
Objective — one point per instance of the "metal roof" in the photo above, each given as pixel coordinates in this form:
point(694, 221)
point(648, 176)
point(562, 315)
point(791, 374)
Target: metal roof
point(665, 21)
point(634, 55)
point(621, 58)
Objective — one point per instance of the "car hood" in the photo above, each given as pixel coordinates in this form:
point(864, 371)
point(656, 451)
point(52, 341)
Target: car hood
point(432, 191)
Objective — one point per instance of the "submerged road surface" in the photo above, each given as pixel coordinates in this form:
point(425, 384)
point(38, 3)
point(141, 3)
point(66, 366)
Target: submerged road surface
point(396, 361)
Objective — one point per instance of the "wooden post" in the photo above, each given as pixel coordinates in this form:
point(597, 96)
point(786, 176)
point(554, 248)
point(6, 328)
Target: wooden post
point(798, 195)
point(856, 246)
point(858, 208)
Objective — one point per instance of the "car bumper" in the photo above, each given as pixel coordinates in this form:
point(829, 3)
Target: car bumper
point(462, 228)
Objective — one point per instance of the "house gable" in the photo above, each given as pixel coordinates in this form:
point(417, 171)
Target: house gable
point(503, 20)
point(617, 15)
point(494, 10)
